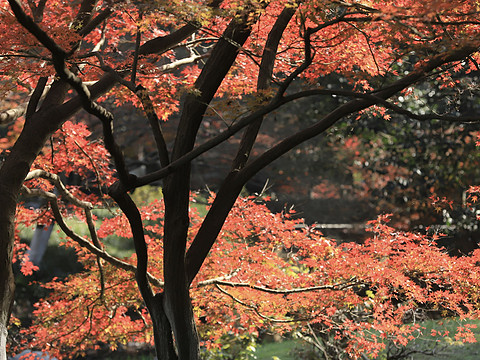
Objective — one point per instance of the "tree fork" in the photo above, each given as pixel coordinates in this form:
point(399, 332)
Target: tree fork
point(176, 190)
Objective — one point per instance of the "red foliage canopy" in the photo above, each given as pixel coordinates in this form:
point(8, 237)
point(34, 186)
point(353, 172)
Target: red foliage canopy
point(57, 57)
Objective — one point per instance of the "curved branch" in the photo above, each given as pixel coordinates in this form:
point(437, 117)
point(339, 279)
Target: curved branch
point(55, 179)
point(94, 247)
point(132, 213)
point(257, 311)
point(52, 199)
point(351, 107)
point(337, 286)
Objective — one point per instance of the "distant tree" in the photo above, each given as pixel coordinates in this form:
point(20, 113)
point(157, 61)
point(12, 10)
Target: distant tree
point(61, 57)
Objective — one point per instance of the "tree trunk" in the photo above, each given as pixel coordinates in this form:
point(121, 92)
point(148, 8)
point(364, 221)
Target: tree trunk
point(7, 286)
point(13, 171)
point(8, 199)
point(176, 298)
point(162, 331)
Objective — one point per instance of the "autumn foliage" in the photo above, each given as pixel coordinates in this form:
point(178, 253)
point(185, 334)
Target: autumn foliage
point(225, 66)
point(268, 273)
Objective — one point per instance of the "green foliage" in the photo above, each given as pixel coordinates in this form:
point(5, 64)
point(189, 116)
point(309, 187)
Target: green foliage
point(232, 347)
point(285, 350)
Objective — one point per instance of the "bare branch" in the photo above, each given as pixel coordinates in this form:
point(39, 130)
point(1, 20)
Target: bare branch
point(97, 20)
point(135, 57)
point(132, 213)
point(36, 96)
point(84, 15)
point(149, 109)
point(214, 280)
point(96, 242)
point(337, 286)
point(11, 115)
point(257, 311)
point(185, 61)
point(52, 199)
point(55, 179)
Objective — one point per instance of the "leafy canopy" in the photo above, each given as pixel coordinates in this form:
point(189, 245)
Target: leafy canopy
point(262, 272)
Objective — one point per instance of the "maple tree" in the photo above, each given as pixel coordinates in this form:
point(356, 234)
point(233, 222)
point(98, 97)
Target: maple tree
point(60, 57)
point(266, 274)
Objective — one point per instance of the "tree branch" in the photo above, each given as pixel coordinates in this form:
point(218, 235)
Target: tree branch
point(35, 98)
point(126, 205)
point(337, 286)
point(11, 115)
point(96, 242)
point(257, 311)
point(84, 15)
point(55, 179)
point(351, 107)
point(265, 74)
point(138, 38)
point(149, 109)
point(229, 190)
point(382, 102)
point(52, 199)
point(37, 10)
point(97, 20)
point(275, 104)
point(130, 210)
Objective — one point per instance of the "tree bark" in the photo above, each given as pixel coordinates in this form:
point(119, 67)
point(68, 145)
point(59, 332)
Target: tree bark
point(162, 331)
point(7, 284)
point(16, 166)
point(12, 174)
point(177, 303)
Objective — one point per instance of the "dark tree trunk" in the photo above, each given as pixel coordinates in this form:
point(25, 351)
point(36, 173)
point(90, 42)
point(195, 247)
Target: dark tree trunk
point(12, 173)
point(7, 285)
point(162, 331)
